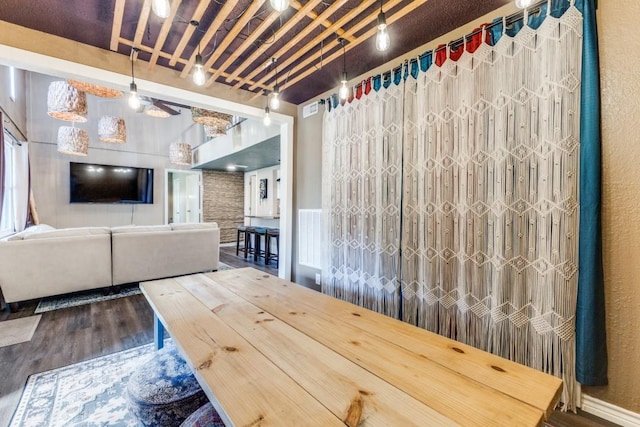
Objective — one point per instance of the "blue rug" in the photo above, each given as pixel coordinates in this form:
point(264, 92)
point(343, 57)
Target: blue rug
point(88, 394)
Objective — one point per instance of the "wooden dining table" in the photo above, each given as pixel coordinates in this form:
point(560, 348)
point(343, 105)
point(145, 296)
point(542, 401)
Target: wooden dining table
point(269, 352)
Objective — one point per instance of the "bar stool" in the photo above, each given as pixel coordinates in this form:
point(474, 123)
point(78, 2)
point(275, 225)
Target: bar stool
point(248, 235)
point(241, 230)
point(259, 233)
point(272, 233)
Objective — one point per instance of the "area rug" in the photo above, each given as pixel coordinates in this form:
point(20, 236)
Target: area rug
point(91, 393)
point(16, 331)
point(73, 300)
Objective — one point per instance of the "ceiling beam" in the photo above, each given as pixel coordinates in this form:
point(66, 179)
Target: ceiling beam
point(313, 44)
point(223, 14)
point(164, 32)
point(142, 25)
point(197, 16)
point(361, 39)
point(244, 20)
point(118, 14)
point(165, 55)
point(325, 23)
point(236, 53)
point(286, 48)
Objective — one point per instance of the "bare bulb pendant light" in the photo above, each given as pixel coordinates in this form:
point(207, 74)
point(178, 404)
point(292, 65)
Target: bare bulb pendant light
point(134, 99)
point(523, 4)
point(279, 5)
point(161, 8)
point(382, 37)
point(267, 118)
point(344, 90)
point(199, 76)
point(274, 102)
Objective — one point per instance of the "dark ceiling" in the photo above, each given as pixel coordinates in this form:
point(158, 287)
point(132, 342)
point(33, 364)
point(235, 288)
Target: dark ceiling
point(237, 39)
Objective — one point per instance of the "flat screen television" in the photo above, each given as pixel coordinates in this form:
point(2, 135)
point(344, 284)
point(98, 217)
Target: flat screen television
point(90, 183)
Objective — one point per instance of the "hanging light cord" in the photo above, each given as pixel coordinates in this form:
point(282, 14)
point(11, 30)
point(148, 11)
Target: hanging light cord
point(133, 50)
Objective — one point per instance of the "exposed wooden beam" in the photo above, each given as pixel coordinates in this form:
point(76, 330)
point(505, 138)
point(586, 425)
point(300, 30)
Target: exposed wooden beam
point(226, 9)
point(166, 55)
point(313, 44)
point(246, 17)
point(118, 14)
point(284, 49)
point(197, 16)
point(142, 25)
point(235, 54)
point(325, 23)
point(361, 39)
point(164, 32)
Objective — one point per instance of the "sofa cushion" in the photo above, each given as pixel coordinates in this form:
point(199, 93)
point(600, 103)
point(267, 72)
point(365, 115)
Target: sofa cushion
point(69, 232)
point(193, 225)
point(31, 230)
point(139, 228)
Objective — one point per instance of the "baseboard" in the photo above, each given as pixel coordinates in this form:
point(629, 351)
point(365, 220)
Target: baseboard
point(609, 412)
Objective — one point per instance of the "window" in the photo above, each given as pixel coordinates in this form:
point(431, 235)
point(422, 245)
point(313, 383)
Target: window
point(7, 221)
point(12, 83)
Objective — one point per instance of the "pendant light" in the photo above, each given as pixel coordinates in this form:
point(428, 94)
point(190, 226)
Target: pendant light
point(344, 90)
point(279, 5)
point(199, 76)
point(267, 118)
point(523, 4)
point(382, 37)
point(134, 99)
point(161, 8)
point(274, 103)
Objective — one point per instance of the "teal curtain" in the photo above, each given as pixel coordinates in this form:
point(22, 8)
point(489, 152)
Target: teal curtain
point(591, 343)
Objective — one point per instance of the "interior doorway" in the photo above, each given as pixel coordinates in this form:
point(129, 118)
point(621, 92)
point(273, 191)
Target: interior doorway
point(183, 196)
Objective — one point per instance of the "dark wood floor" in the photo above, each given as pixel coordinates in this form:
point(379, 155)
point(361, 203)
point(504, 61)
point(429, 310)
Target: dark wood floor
point(72, 335)
point(228, 256)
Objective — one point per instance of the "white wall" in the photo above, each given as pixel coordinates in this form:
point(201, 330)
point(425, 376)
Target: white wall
point(15, 109)
point(267, 210)
point(147, 146)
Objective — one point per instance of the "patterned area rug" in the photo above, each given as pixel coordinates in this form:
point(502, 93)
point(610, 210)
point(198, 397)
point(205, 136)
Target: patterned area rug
point(91, 393)
point(18, 330)
point(72, 300)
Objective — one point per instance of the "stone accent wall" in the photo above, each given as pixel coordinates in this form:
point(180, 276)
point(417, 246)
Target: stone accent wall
point(223, 201)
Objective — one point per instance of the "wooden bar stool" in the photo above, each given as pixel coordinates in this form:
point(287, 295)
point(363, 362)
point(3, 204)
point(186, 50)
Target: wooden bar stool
point(248, 236)
point(272, 233)
point(241, 230)
point(259, 233)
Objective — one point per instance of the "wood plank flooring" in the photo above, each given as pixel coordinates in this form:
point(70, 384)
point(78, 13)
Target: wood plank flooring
point(75, 334)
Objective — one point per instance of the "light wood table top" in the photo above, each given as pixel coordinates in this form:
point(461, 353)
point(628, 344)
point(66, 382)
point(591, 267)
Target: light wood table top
point(269, 352)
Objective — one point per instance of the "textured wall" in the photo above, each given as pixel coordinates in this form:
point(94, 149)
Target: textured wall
point(223, 201)
point(619, 65)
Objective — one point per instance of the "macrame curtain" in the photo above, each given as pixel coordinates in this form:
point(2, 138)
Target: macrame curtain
point(362, 166)
point(492, 172)
point(490, 232)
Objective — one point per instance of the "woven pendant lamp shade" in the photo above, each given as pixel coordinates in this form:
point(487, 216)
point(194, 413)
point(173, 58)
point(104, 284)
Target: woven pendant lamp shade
point(74, 141)
point(96, 90)
point(153, 111)
point(214, 131)
point(211, 118)
point(180, 153)
point(65, 102)
point(112, 129)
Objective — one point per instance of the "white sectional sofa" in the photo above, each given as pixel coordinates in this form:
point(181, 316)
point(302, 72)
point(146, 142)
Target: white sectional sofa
point(146, 253)
point(42, 261)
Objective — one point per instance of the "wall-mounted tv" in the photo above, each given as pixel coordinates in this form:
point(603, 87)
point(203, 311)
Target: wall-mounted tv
point(90, 183)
